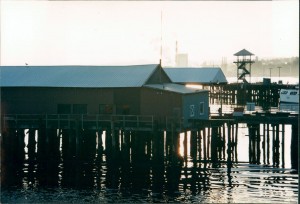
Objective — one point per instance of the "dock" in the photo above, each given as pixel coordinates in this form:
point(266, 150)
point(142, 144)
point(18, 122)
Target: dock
point(138, 138)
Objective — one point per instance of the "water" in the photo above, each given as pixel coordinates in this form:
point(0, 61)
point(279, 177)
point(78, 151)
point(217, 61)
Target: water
point(245, 183)
point(146, 181)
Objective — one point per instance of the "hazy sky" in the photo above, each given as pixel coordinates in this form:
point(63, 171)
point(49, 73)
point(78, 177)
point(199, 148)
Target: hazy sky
point(129, 32)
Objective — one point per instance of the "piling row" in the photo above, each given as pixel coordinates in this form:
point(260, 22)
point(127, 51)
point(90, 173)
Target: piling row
point(212, 142)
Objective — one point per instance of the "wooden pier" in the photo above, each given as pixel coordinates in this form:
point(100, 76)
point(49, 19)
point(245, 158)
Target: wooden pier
point(261, 94)
point(129, 138)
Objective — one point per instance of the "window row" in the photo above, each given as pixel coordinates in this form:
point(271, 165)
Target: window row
point(82, 109)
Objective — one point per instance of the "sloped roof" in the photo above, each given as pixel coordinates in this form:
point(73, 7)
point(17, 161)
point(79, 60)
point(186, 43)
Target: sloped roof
point(177, 88)
point(76, 76)
point(243, 52)
point(200, 75)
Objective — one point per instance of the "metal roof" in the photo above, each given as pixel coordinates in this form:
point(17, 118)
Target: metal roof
point(177, 88)
point(76, 76)
point(200, 75)
point(243, 52)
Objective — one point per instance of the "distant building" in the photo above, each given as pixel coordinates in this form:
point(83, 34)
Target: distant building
point(121, 90)
point(181, 60)
point(196, 75)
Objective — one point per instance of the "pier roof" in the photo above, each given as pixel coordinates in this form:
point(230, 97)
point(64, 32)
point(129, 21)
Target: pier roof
point(197, 75)
point(171, 87)
point(76, 76)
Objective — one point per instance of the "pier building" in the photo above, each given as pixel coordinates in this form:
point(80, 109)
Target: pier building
point(104, 90)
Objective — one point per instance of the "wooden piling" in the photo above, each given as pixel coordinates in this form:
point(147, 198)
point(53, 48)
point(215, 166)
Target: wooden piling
point(200, 144)
point(268, 143)
point(193, 145)
point(99, 144)
point(20, 151)
point(295, 147)
point(258, 144)
point(282, 144)
point(264, 143)
point(229, 160)
point(185, 146)
point(214, 142)
point(204, 145)
point(31, 144)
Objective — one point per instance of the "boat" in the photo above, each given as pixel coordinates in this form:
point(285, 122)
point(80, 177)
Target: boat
point(290, 95)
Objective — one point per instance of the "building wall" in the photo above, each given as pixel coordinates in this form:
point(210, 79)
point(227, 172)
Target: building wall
point(195, 106)
point(46, 100)
point(132, 101)
point(160, 103)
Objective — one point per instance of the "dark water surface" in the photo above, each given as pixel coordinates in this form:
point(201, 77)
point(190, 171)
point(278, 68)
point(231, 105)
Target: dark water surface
point(143, 183)
point(147, 181)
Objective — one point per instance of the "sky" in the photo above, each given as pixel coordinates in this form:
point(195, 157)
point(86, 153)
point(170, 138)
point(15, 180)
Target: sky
point(133, 32)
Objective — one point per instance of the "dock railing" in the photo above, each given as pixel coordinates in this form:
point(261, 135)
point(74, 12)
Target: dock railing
point(89, 121)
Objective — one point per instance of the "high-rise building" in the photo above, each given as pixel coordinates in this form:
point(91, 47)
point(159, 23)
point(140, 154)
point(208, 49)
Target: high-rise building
point(181, 58)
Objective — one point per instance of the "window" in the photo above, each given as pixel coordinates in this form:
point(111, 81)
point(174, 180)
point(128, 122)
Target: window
point(79, 108)
point(64, 108)
point(284, 92)
point(106, 109)
point(192, 110)
point(201, 108)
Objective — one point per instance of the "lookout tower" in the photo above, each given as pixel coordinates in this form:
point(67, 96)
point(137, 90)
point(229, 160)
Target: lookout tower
point(243, 64)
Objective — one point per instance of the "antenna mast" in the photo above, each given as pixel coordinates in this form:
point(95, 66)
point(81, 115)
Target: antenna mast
point(160, 38)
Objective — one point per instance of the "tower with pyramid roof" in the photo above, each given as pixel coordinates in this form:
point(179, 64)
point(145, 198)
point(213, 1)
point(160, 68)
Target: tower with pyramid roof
point(243, 64)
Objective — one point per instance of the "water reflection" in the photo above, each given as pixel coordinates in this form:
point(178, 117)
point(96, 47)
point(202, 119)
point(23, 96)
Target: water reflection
point(115, 176)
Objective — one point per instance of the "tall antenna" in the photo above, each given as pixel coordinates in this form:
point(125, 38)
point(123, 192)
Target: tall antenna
point(160, 38)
